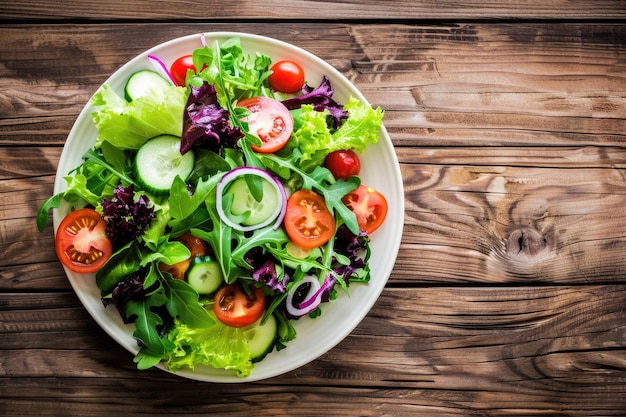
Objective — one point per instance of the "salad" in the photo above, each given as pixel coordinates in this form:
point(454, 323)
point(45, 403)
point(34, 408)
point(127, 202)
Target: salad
point(219, 205)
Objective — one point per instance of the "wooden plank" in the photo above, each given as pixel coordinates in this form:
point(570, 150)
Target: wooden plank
point(456, 85)
point(86, 396)
point(499, 348)
point(308, 10)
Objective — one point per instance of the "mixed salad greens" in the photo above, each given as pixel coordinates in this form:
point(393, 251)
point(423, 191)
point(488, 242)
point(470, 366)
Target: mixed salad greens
point(218, 205)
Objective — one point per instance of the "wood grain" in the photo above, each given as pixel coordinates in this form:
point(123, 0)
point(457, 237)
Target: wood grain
point(461, 85)
point(309, 9)
point(508, 294)
point(506, 347)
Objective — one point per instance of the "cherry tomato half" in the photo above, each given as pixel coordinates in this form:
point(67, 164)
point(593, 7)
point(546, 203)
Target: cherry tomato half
point(270, 120)
point(343, 164)
point(236, 308)
point(179, 68)
point(196, 247)
point(287, 77)
point(369, 205)
point(81, 242)
point(308, 222)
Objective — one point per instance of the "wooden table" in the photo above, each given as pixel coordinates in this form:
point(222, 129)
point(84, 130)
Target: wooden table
point(509, 293)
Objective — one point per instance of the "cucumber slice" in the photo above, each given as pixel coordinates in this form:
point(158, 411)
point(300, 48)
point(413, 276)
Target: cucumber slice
point(261, 337)
point(159, 161)
point(143, 83)
point(244, 204)
point(204, 274)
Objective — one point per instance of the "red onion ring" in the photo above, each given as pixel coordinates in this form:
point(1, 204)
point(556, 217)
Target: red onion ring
point(312, 299)
point(276, 217)
point(160, 65)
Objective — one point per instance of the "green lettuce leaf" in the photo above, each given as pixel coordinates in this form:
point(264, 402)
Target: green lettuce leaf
point(127, 125)
point(315, 139)
point(219, 346)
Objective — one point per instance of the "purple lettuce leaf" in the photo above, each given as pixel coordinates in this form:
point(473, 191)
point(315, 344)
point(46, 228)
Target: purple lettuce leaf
point(321, 99)
point(205, 123)
point(354, 247)
point(126, 218)
point(126, 290)
point(266, 274)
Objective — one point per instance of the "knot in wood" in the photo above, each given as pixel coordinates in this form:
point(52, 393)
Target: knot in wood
point(525, 240)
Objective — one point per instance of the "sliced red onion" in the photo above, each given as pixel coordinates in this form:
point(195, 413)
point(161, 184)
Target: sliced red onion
point(311, 301)
point(203, 39)
point(316, 298)
point(160, 65)
point(276, 217)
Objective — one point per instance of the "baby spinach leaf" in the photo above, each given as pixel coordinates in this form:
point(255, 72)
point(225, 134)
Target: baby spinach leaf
point(122, 263)
point(169, 252)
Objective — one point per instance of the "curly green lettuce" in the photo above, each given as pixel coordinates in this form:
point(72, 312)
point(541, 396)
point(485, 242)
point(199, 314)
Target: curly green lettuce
point(316, 140)
point(129, 124)
point(218, 346)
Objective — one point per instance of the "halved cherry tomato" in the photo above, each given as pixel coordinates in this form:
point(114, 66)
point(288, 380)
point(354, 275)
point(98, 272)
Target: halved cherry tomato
point(236, 308)
point(270, 120)
point(179, 68)
point(343, 164)
point(197, 248)
point(81, 242)
point(369, 205)
point(287, 77)
point(308, 222)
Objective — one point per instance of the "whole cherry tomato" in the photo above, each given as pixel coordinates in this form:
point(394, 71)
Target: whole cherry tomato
point(179, 69)
point(287, 77)
point(343, 164)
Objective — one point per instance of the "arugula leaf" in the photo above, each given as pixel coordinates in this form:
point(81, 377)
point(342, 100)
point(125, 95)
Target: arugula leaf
point(116, 159)
point(117, 167)
point(208, 163)
point(221, 238)
point(266, 236)
point(320, 180)
point(44, 210)
point(146, 359)
point(147, 321)
point(168, 252)
point(182, 302)
point(282, 254)
point(182, 205)
point(235, 74)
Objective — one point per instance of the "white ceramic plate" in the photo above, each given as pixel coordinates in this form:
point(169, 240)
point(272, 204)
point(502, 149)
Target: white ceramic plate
point(380, 170)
